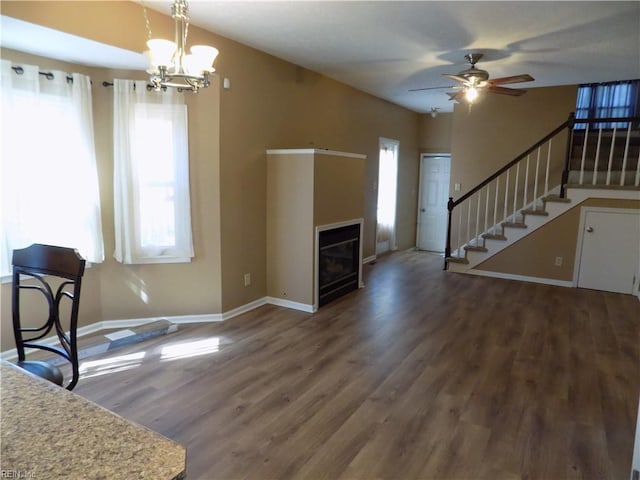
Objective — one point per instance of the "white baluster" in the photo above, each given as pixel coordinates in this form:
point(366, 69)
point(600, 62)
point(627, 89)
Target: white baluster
point(506, 198)
point(459, 230)
point(478, 217)
point(584, 154)
point(637, 182)
point(526, 183)
point(546, 175)
point(535, 180)
point(495, 205)
point(624, 159)
point(613, 142)
point(515, 191)
point(468, 232)
point(486, 207)
point(595, 163)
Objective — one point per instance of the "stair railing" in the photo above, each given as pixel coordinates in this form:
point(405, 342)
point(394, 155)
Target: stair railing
point(514, 190)
point(605, 152)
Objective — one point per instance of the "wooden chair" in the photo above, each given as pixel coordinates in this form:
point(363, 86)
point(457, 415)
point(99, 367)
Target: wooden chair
point(55, 272)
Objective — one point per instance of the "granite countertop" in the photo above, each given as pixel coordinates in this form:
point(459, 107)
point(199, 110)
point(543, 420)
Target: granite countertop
point(48, 432)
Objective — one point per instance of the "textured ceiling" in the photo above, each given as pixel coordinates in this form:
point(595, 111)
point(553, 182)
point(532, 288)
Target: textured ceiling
point(387, 48)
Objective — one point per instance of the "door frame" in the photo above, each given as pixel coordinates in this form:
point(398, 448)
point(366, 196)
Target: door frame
point(580, 241)
point(422, 156)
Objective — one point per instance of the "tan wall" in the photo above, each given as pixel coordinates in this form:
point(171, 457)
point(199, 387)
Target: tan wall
point(535, 254)
point(271, 104)
point(435, 134)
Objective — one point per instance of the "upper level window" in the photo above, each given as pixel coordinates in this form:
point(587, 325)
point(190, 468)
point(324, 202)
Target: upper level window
point(151, 175)
point(49, 176)
point(608, 100)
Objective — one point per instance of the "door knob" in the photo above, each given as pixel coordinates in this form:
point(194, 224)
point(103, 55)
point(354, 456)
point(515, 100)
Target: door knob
point(590, 229)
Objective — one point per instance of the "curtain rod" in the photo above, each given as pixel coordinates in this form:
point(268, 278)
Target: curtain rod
point(47, 75)
point(110, 84)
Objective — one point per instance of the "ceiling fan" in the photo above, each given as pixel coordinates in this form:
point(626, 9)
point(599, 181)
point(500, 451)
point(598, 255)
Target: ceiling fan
point(473, 80)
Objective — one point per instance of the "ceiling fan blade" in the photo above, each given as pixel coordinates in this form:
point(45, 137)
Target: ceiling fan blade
point(432, 88)
point(458, 96)
point(514, 79)
point(515, 92)
point(457, 78)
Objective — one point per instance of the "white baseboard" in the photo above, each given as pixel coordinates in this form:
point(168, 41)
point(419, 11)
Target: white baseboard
point(176, 319)
point(303, 307)
point(369, 259)
point(247, 307)
point(521, 278)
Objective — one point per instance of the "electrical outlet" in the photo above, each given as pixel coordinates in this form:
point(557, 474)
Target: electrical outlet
point(456, 187)
point(558, 262)
point(247, 279)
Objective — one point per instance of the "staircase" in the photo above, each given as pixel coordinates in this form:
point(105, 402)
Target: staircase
point(517, 199)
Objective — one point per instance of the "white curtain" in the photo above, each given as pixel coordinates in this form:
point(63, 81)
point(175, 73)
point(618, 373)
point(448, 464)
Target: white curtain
point(49, 177)
point(151, 175)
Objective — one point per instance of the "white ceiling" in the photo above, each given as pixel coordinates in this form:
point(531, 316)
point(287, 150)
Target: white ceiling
point(387, 48)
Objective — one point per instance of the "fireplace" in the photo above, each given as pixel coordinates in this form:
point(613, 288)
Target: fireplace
point(339, 261)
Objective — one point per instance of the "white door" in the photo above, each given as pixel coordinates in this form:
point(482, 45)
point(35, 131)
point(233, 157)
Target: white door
point(610, 251)
point(435, 171)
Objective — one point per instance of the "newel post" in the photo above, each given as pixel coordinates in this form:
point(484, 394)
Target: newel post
point(567, 158)
point(447, 248)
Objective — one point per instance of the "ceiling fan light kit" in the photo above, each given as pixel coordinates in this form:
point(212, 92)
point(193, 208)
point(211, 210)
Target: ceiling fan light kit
point(474, 81)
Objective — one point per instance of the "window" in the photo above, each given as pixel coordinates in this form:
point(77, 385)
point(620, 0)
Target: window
point(151, 175)
point(607, 100)
point(49, 176)
point(387, 193)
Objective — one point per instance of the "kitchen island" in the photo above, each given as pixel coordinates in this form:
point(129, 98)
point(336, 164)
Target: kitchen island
point(49, 432)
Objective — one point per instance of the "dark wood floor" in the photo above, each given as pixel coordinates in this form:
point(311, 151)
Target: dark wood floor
point(421, 375)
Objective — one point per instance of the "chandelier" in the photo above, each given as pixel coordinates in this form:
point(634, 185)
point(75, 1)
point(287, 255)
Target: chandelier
point(170, 65)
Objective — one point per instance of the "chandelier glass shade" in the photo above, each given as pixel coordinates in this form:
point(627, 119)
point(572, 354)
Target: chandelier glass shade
point(170, 64)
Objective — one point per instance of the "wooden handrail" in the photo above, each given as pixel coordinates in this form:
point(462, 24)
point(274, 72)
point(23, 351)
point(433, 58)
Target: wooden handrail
point(607, 120)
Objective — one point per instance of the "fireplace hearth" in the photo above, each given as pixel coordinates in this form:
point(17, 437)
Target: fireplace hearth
point(338, 262)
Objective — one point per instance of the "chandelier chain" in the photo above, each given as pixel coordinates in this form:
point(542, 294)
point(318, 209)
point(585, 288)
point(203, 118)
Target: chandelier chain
point(186, 20)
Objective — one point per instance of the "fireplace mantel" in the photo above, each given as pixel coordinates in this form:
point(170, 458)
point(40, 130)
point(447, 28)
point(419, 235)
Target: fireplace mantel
point(306, 189)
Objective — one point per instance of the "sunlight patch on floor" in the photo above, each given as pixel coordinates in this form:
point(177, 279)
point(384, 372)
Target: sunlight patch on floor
point(106, 366)
point(190, 349)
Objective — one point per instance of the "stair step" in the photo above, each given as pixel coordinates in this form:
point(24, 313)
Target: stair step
point(473, 248)
point(556, 199)
point(457, 260)
point(514, 224)
point(494, 236)
point(542, 213)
